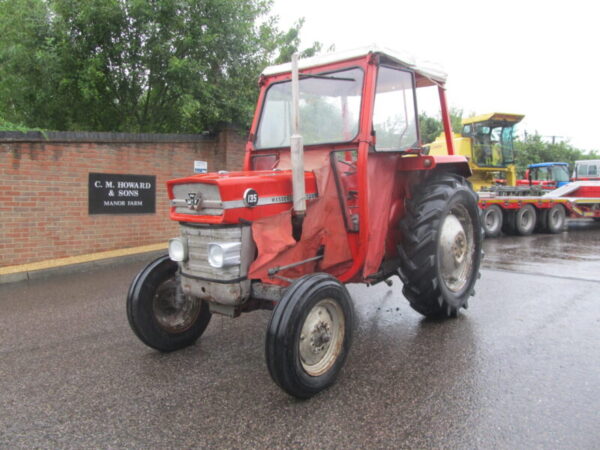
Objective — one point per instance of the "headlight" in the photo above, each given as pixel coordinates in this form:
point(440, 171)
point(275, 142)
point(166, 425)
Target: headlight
point(224, 254)
point(178, 249)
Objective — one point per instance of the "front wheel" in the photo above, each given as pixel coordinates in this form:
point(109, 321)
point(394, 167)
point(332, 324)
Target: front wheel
point(440, 252)
point(160, 315)
point(309, 335)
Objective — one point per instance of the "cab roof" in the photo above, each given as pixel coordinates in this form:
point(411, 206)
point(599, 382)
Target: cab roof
point(547, 164)
point(427, 69)
point(494, 117)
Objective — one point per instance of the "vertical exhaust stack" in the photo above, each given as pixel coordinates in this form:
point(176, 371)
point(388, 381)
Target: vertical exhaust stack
point(297, 148)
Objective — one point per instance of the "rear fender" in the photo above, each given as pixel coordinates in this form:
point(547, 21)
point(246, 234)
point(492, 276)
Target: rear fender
point(453, 164)
point(440, 163)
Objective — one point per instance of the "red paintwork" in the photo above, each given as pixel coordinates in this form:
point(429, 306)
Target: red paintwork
point(586, 179)
point(400, 168)
point(232, 186)
point(587, 204)
point(446, 121)
point(544, 184)
point(586, 191)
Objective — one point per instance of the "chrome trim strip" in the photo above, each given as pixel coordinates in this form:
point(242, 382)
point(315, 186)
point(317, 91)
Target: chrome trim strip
point(181, 203)
point(233, 204)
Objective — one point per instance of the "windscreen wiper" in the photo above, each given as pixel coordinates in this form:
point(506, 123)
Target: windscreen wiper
point(325, 77)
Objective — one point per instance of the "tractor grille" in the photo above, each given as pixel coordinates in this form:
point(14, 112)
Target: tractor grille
point(198, 238)
point(207, 197)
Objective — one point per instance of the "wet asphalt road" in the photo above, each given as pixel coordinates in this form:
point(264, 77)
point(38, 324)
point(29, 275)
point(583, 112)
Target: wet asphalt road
point(519, 369)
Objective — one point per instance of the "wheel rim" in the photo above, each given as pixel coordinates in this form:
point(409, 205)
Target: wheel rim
point(174, 312)
point(526, 219)
point(491, 220)
point(555, 218)
point(456, 246)
point(321, 337)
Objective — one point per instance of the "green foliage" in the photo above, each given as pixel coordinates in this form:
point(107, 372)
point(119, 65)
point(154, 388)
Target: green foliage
point(5, 125)
point(456, 116)
point(320, 121)
point(291, 43)
point(136, 65)
point(533, 150)
point(431, 127)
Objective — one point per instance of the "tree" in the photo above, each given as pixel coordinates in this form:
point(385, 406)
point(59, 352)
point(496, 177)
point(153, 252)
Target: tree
point(534, 150)
point(136, 65)
point(431, 127)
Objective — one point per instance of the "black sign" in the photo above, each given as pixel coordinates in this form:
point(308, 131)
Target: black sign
point(121, 194)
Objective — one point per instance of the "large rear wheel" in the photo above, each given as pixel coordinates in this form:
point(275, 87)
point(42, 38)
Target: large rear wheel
point(160, 315)
point(440, 252)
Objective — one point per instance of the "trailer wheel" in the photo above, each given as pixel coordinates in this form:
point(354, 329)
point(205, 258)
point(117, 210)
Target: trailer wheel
point(555, 221)
point(491, 220)
point(525, 220)
point(160, 315)
point(441, 248)
point(309, 335)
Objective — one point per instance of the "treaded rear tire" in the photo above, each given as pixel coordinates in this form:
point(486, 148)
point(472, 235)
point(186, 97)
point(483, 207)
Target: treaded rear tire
point(433, 202)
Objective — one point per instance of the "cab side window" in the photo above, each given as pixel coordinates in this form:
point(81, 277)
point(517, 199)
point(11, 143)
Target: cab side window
point(395, 114)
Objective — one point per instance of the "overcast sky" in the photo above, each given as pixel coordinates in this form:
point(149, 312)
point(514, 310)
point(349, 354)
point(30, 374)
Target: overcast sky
point(541, 59)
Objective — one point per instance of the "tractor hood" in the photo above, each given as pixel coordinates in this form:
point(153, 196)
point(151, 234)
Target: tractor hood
point(231, 197)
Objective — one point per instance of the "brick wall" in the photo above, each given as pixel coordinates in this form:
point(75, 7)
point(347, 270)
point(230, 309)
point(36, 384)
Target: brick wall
point(44, 188)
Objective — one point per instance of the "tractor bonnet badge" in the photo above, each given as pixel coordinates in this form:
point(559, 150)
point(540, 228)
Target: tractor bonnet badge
point(193, 200)
point(250, 198)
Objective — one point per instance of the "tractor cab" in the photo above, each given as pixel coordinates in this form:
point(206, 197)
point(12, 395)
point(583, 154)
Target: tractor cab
point(492, 139)
point(487, 142)
point(587, 169)
point(547, 175)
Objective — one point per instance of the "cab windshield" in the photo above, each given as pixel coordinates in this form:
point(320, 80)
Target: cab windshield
point(492, 143)
point(329, 110)
point(587, 168)
point(558, 173)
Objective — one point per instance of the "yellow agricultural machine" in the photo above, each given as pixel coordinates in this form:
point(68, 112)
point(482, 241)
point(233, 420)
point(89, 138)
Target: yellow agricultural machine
point(487, 142)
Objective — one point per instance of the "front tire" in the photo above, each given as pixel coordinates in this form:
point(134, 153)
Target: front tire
point(441, 249)
point(160, 315)
point(309, 335)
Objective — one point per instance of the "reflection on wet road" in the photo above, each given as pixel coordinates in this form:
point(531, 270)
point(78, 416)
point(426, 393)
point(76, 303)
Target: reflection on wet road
point(519, 369)
point(573, 254)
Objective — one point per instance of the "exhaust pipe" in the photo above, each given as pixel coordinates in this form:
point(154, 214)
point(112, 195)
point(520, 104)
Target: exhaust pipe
point(297, 146)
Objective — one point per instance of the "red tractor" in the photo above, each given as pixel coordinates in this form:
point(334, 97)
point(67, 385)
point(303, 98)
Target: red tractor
point(353, 198)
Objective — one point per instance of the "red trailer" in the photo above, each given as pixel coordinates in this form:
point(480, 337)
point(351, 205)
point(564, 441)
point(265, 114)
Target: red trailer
point(502, 210)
